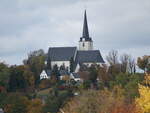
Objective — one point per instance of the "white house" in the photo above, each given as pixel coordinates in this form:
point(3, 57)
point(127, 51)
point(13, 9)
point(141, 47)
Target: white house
point(44, 75)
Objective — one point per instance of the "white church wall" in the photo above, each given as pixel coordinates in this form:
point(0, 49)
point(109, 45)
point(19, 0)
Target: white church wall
point(87, 64)
point(90, 63)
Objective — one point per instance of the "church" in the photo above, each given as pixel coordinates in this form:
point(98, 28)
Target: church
point(82, 55)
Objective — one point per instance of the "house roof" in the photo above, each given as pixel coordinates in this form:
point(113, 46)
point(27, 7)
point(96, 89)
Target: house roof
point(61, 53)
point(48, 72)
point(76, 75)
point(89, 56)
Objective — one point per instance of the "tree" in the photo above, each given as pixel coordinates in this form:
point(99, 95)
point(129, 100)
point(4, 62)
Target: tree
point(114, 65)
point(35, 106)
point(45, 83)
point(36, 63)
point(93, 73)
point(132, 65)
point(103, 74)
point(144, 63)
point(103, 102)
point(85, 75)
point(129, 82)
point(71, 64)
point(17, 80)
point(86, 84)
point(16, 103)
point(29, 78)
point(124, 62)
point(49, 67)
point(55, 100)
point(4, 75)
point(114, 70)
point(62, 67)
point(144, 100)
point(55, 72)
point(112, 57)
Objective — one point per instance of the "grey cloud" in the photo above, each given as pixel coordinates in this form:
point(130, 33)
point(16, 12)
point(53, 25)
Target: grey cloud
point(27, 25)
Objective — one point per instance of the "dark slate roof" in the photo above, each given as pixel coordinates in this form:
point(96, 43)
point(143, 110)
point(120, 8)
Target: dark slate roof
point(48, 72)
point(61, 53)
point(85, 27)
point(92, 56)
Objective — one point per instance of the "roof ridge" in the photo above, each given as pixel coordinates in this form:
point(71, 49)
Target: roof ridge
point(64, 47)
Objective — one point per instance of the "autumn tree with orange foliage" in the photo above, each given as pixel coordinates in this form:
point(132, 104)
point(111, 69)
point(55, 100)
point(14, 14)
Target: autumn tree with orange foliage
point(105, 101)
point(144, 100)
point(35, 106)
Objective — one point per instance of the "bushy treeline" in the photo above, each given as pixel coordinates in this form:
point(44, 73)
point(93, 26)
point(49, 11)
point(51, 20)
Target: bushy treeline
point(109, 88)
point(120, 89)
point(19, 86)
point(22, 77)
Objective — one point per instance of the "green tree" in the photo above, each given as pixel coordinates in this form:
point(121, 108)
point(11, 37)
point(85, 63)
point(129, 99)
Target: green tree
point(29, 78)
point(36, 63)
point(4, 75)
point(17, 80)
point(55, 100)
point(93, 73)
point(55, 72)
point(129, 82)
point(15, 103)
point(71, 64)
point(144, 63)
point(86, 84)
point(49, 67)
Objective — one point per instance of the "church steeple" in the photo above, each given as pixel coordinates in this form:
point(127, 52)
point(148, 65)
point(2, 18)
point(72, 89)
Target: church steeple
point(85, 27)
point(85, 42)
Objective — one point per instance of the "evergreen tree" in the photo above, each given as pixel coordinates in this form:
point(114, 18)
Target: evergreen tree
point(62, 67)
point(71, 64)
point(55, 72)
point(36, 64)
point(17, 80)
point(49, 63)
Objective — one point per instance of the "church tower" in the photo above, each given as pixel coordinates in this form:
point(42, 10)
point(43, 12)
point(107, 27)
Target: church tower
point(85, 42)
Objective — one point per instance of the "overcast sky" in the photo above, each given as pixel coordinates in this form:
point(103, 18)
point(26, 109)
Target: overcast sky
point(27, 25)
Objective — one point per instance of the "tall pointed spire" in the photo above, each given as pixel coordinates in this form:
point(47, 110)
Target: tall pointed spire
point(85, 42)
point(85, 27)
